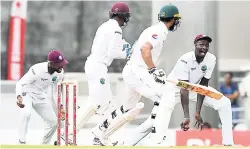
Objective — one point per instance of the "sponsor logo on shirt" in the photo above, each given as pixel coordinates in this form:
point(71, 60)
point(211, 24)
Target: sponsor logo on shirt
point(118, 32)
point(193, 68)
point(44, 79)
point(155, 36)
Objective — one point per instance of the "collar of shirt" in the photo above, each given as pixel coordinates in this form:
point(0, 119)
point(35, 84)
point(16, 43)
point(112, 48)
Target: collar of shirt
point(114, 21)
point(163, 27)
point(193, 56)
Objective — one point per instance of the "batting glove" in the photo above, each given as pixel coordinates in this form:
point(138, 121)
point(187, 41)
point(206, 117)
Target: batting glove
point(158, 74)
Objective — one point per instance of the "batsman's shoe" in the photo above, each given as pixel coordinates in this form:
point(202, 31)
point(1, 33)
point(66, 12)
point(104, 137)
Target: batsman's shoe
point(104, 142)
point(21, 142)
point(99, 138)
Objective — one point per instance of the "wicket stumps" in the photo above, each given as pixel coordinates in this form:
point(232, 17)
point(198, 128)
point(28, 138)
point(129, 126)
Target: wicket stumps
point(61, 87)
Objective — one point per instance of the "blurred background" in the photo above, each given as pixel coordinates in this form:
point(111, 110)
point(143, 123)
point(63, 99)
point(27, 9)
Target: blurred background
point(71, 25)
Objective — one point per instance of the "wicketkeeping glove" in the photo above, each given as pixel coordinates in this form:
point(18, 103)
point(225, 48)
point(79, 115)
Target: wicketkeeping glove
point(127, 48)
point(158, 74)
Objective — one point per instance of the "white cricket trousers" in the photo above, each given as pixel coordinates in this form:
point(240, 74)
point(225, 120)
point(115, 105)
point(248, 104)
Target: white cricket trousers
point(140, 81)
point(43, 108)
point(223, 106)
point(100, 93)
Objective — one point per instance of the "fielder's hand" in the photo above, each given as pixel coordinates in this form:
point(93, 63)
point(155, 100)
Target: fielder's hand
point(62, 113)
point(158, 74)
point(199, 121)
point(185, 124)
point(20, 101)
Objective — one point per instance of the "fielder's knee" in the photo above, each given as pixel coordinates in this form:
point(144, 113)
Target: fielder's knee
point(53, 121)
point(25, 113)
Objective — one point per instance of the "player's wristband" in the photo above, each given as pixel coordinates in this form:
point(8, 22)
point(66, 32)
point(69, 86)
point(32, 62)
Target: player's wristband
point(151, 70)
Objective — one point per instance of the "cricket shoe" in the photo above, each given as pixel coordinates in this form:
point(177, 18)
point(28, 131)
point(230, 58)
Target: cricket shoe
point(99, 138)
point(21, 142)
point(105, 142)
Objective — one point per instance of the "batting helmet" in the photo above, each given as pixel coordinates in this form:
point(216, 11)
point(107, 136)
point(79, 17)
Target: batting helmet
point(169, 12)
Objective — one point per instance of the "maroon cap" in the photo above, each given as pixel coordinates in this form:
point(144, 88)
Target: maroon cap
point(201, 36)
point(120, 7)
point(57, 57)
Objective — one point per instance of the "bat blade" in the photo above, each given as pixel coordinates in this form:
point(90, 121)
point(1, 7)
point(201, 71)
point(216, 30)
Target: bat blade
point(203, 90)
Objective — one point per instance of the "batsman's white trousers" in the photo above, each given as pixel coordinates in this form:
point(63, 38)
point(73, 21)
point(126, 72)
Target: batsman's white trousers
point(44, 108)
point(140, 81)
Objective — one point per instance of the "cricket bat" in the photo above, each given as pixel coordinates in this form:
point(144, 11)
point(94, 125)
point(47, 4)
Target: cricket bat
point(203, 90)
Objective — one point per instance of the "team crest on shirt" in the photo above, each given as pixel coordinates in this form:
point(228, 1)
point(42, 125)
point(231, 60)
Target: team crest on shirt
point(155, 36)
point(102, 81)
point(54, 79)
point(204, 68)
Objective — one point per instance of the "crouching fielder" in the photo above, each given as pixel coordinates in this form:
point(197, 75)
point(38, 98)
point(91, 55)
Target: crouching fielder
point(31, 91)
point(194, 67)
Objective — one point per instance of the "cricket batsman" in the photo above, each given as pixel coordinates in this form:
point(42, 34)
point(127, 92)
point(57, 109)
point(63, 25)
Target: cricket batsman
point(195, 67)
point(31, 92)
point(108, 45)
point(140, 74)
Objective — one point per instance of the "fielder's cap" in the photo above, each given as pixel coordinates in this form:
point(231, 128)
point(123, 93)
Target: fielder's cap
point(57, 57)
point(202, 36)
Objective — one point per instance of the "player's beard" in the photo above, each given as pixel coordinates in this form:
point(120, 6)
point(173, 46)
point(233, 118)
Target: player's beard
point(174, 26)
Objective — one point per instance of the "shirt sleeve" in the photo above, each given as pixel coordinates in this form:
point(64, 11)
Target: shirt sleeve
point(28, 78)
point(155, 39)
point(210, 69)
point(54, 88)
point(182, 69)
point(115, 45)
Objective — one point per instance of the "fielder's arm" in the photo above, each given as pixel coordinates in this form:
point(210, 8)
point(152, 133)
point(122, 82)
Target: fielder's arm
point(55, 91)
point(115, 46)
point(185, 102)
point(200, 98)
point(28, 78)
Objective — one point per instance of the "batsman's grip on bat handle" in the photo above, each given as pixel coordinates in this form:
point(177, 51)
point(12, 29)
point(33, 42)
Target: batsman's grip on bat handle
point(203, 90)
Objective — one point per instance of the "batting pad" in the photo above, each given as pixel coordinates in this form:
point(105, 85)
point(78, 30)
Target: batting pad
point(119, 121)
